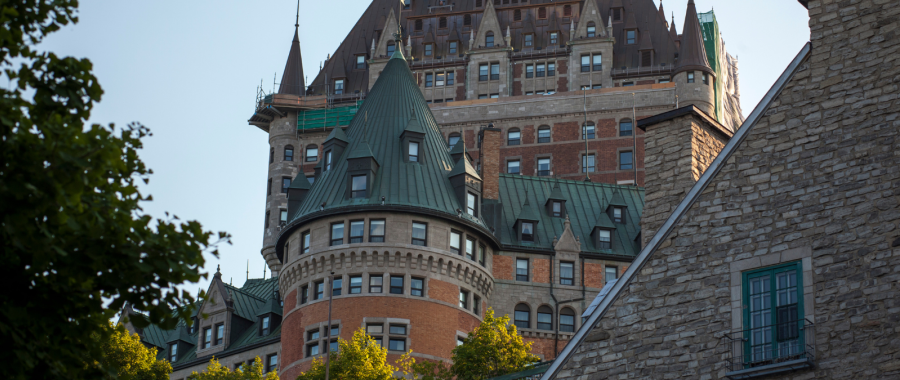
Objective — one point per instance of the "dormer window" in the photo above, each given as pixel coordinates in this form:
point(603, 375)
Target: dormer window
point(591, 29)
point(413, 152)
point(390, 48)
point(442, 22)
point(360, 62)
point(557, 209)
point(328, 160)
point(618, 215)
point(220, 334)
point(358, 186)
point(527, 231)
point(207, 337)
point(517, 15)
point(630, 37)
point(406, 3)
point(604, 239)
point(454, 138)
point(529, 40)
point(617, 14)
point(173, 352)
point(429, 49)
point(554, 38)
point(265, 325)
point(453, 46)
point(489, 39)
point(471, 202)
point(338, 86)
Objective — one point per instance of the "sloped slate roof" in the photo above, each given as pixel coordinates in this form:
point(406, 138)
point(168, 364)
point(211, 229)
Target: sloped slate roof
point(585, 202)
point(292, 77)
point(693, 52)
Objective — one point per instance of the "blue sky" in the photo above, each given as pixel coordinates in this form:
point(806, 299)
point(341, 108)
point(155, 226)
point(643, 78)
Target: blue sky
point(188, 70)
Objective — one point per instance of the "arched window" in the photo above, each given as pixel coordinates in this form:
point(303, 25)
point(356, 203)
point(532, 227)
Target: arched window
point(390, 48)
point(588, 131)
point(489, 39)
point(312, 153)
point(566, 320)
point(442, 23)
point(514, 137)
point(567, 10)
point(418, 24)
point(522, 318)
point(517, 15)
point(591, 29)
point(625, 127)
point(454, 138)
point(543, 134)
point(545, 318)
point(289, 153)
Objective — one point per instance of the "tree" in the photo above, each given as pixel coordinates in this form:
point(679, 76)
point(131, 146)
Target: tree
point(360, 358)
point(74, 243)
point(216, 371)
point(130, 359)
point(493, 349)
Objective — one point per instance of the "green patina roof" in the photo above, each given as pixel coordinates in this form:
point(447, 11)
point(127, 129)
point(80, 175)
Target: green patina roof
point(423, 185)
point(585, 203)
point(617, 200)
point(272, 306)
point(463, 166)
point(604, 221)
point(556, 194)
point(300, 181)
point(528, 212)
point(362, 150)
point(337, 133)
point(414, 125)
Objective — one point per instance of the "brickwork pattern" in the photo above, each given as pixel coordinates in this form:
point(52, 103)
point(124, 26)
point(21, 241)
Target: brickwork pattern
point(503, 267)
point(541, 271)
point(443, 291)
point(819, 172)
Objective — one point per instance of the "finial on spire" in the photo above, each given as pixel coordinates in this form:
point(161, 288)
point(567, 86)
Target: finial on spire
point(297, 23)
point(218, 267)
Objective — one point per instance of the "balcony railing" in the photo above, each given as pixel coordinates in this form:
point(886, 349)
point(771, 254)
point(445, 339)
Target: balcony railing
point(636, 71)
point(767, 350)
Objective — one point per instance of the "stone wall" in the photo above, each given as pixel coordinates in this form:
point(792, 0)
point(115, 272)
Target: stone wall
point(815, 182)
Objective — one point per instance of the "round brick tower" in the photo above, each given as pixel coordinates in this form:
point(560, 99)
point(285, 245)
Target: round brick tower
point(395, 219)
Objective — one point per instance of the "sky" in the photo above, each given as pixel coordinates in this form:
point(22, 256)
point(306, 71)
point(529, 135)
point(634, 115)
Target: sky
point(189, 71)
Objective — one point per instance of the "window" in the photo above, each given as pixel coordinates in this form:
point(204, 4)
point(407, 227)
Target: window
point(591, 30)
point(477, 4)
point(311, 180)
point(554, 37)
point(453, 47)
point(454, 138)
point(220, 334)
point(312, 153)
point(495, 72)
point(540, 70)
point(269, 187)
point(207, 337)
point(459, 341)
point(397, 330)
point(455, 242)
point(483, 72)
point(372, 329)
point(627, 84)
point(312, 349)
point(271, 155)
point(773, 315)
point(282, 220)
point(285, 184)
point(390, 48)
point(355, 284)
point(611, 272)
point(429, 78)
point(376, 231)
point(375, 283)
point(690, 77)
point(522, 270)
point(397, 344)
point(320, 290)
point(585, 63)
point(419, 233)
point(522, 316)
point(267, 218)
point(545, 318)
point(360, 62)
point(544, 134)
point(630, 37)
point(338, 86)
point(482, 96)
point(706, 79)
point(417, 286)
point(566, 273)
point(567, 10)
point(357, 228)
point(449, 82)
point(625, 127)
point(489, 39)
point(289, 153)
point(617, 14)
point(304, 294)
point(337, 287)
point(528, 231)
point(512, 167)
point(173, 352)
point(442, 22)
point(476, 305)
point(513, 137)
point(439, 81)
point(396, 284)
point(471, 201)
point(529, 38)
point(464, 299)
point(618, 216)
point(543, 166)
point(481, 255)
point(566, 320)
point(587, 163)
point(664, 80)
point(333, 346)
point(604, 238)
point(334, 330)
point(625, 161)
point(264, 325)
point(557, 209)
point(429, 48)
point(328, 160)
point(646, 58)
point(598, 62)
point(418, 24)
point(358, 187)
point(587, 131)
point(337, 233)
point(494, 96)
point(529, 71)
point(470, 248)
point(271, 363)
point(406, 3)
point(551, 69)
point(304, 243)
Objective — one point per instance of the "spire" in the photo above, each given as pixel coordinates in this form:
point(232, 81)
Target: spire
point(646, 43)
point(292, 78)
point(662, 13)
point(693, 53)
point(672, 31)
point(528, 212)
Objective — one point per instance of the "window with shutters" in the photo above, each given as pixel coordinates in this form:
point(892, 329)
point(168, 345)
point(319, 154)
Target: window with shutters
point(617, 14)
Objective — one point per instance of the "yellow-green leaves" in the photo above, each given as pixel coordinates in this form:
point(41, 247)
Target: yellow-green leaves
point(361, 358)
point(216, 371)
point(126, 357)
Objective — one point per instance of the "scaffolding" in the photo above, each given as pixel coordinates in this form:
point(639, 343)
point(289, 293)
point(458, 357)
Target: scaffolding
point(715, 54)
point(327, 117)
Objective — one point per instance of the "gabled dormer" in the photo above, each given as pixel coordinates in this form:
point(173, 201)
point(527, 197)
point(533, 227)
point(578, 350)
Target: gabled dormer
point(413, 141)
point(603, 232)
point(333, 148)
point(297, 193)
point(556, 203)
point(590, 24)
point(617, 11)
point(361, 169)
point(526, 223)
point(178, 343)
point(617, 208)
point(217, 310)
point(646, 49)
point(459, 149)
point(467, 185)
point(269, 316)
point(489, 34)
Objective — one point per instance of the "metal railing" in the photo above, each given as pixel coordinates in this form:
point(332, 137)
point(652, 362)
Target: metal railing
point(772, 344)
point(667, 69)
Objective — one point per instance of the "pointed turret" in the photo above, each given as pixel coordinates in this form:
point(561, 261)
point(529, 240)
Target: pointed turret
point(646, 42)
point(692, 55)
point(662, 14)
point(292, 77)
point(673, 32)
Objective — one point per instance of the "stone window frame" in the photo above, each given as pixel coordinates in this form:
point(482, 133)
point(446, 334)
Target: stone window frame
point(537, 134)
point(591, 152)
point(537, 159)
point(510, 159)
point(320, 326)
point(619, 158)
point(737, 269)
point(386, 330)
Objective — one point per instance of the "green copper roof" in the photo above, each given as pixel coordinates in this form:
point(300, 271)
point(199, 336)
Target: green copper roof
point(585, 203)
point(528, 212)
point(556, 194)
point(414, 125)
point(273, 306)
point(425, 185)
point(337, 134)
point(463, 166)
point(300, 181)
point(617, 200)
point(604, 221)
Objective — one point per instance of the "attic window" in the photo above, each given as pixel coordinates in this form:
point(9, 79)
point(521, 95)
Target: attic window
point(406, 3)
point(413, 152)
point(567, 10)
point(360, 62)
point(529, 40)
point(542, 12)
point(630, 37)
point(517, 15)
point(478, 3)
point(591, 29)
point(646, 58)
point(618, 215)
point(453, 47)
point(265, 322)
point(489, 39)
point(429, 49)
point(604, 239)
point(557, 209)
point(554, 38)
point(358, 186)
point(390, 48)
point(173, 352)
point(442, 22)
point(467, 19)
point(617, 14)
point(471, 202)
point(527, 231)
point(418, 24)
point(338, 86)
point(454, 138)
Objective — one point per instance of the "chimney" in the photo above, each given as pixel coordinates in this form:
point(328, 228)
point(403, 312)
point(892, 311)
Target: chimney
point(490, 161)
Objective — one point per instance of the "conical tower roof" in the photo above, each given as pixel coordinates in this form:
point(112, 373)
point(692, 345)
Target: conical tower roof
point(617, 199)
point(672, 31)
point(662, 12)
point(418, 186)
point(693, 52)
point(292, 77)
point(528, 212)
point(556, 194)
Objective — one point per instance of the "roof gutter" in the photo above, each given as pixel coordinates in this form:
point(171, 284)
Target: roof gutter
point(682, 209)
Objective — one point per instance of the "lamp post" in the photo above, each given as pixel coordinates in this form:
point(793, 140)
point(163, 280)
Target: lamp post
point(328, 345)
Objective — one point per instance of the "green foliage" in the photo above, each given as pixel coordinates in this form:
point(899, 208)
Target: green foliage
point(124, 354)
point(74, 243)
point(361, 358)
point(216, 371)
point(493, 349)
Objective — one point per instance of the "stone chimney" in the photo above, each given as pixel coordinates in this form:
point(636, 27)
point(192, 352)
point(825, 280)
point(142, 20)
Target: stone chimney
point(490, 161)
point(678, 147)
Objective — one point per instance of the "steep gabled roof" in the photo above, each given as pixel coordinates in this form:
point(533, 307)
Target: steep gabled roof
point(693, 195)
point(292, 81)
